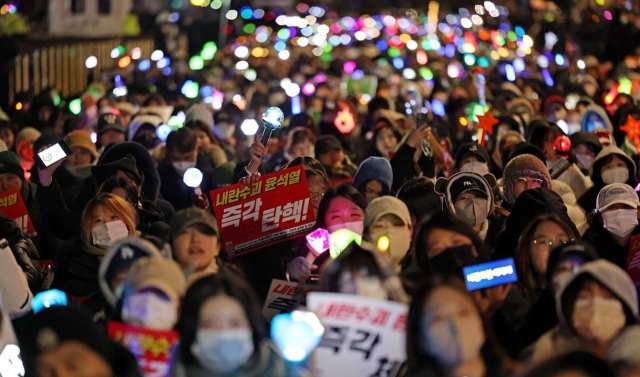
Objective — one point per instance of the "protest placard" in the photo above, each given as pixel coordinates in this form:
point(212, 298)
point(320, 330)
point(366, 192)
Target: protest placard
point(154, 350)
point(362, 336)
point(633, 260)
point(284, 296)
point(13, 207)
point(274, 209)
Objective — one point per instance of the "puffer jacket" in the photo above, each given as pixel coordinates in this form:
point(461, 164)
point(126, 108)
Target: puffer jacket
point(23, 250)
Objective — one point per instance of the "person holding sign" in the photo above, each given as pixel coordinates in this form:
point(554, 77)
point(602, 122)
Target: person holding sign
point(196, 242)
point(223, 333)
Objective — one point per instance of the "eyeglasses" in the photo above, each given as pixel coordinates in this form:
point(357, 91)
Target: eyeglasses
point(526, 181)
point(544, 243)
point(316, 194)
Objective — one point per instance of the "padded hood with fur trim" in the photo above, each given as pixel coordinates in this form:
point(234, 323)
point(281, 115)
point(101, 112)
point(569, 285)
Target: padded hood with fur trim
point(487, 184)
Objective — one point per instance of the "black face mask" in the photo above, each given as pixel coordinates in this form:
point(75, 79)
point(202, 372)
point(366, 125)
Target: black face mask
point(452, 260)
point(149, 141)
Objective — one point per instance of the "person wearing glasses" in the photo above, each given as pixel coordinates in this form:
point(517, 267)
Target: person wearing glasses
point(543, 234)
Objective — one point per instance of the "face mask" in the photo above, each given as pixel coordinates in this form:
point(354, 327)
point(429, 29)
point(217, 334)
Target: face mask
point(148, 310)
point(475, 167)
point(223, 351)
point(182, 166)
point(149, 141)
point(81, 172)
point(584, 161)
point(613, 175)
point(451, 260)
point(559, 280)
point(473, 211)
point(455, 341)
point(108, 233)
point(370, 286)
point(356, 227)
point(399, 243)
point(598, 318)
point(620, 222)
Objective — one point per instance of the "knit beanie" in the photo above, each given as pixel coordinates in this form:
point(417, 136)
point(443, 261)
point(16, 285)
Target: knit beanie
point(200, 112)
point(82, 139)
point(10, 163)
point(377, 168)
point(524, 165)
point(27, 133)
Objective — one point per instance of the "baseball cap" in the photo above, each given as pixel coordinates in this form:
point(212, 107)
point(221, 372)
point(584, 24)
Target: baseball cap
point(327, 143)
point(156, 272)
point(464, 185)
point(386, 205)
point(108, 122)
point(471, 149)
point(187, 217)
point(617, 193)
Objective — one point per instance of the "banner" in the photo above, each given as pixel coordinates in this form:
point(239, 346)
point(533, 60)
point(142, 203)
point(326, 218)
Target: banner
point(633, 260)
point(274, 209)
point(284, 296)
point(154, 350)
point(362, 336)
point(13, 207)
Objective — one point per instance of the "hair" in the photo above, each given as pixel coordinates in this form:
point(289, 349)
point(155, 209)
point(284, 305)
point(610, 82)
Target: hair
point(345, 191)
point(200, 126)
point(522, 256)
point(317, 173)
point(154, 97)
point(227, 283)
point(578, 361)
point(358, 258)
point(129, 188)
point(379, 125)
point(123, 210)
point(446, 221)
point(418, 361)
point(540, 131)
point(300, 136)
point(362, 189)
point(308, 163)
point(183, 140)
point(420, 197)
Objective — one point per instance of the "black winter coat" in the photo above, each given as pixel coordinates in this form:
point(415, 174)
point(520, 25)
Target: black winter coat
point(23, 250)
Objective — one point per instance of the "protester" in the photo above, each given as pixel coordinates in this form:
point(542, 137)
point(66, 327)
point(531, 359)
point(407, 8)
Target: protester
point(387, 138)
point(614, 223)
point(300, 143)
point(196, 242)
point(585, 146)
point(222, 332)
point(445, 334)
point(420, 197)
point(373, 178)
point(472, 157)
point(110, 130)
point(413, 157)
point(524, 172)
point(318, 186)
point(330, 152)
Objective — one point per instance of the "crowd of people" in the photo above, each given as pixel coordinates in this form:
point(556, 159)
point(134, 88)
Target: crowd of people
point(544, 174)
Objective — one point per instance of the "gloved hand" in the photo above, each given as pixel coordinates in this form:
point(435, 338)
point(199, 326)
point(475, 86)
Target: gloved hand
point(299, 269)
point(200, 200)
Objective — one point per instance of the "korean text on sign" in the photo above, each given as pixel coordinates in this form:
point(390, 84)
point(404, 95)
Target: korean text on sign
point(154, 350)
point(284, 296)
point(362, 337)
point(12, 206)
point(275, 208)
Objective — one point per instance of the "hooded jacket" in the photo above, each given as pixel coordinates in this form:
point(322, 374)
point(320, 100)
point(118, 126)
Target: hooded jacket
point(588, 200)
point(529, 205)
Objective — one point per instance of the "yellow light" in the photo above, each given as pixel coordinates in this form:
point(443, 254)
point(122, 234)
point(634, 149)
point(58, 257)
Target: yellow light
point(468, 48)
point(405, 38)
point(463, 121)
point(503, 52)
point(383, 244)
point(124, 62)
point(495, 55)
point(19, 106)
point(256, 52)
point(198, 3)
point(4, 9)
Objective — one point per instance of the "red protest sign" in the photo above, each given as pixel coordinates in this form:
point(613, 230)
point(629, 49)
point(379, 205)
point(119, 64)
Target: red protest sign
point(274, 209)
point(633, 259)
point(154, 350)
point(13, 207)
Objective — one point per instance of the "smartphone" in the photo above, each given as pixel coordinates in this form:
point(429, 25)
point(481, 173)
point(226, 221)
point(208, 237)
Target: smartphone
point(490, 274)
point(421, 119)
point(53, 154)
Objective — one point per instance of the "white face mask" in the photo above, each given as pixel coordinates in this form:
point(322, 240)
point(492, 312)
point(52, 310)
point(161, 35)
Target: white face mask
point(356, 227)
point(613, 175)
point(182, 166)
point(620, 222)
point(148, 310)
point(455, 340)
point(584, 161)
point(598, 318)
point(473, 211)
point(223, 351)
point(106, 234)
point(399, 243)
point(475, 167)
